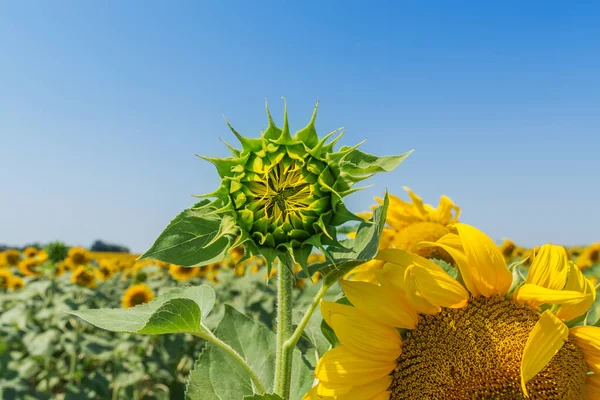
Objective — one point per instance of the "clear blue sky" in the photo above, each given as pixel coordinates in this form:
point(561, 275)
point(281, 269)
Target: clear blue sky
point(104, 104)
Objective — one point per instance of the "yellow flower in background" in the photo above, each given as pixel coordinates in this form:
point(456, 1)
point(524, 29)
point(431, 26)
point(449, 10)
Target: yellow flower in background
point(15, 282)
point(5, 278)
point(407, 224)
point(462, 341)
point(11, 257)
point(180, 273)
point(105, 269)
point(508, 248)
point(30, 252)
point(30, 267)
point(136, 295)
point(589, 256)
point(42, 255)
point(78, 256)
point(84, 276)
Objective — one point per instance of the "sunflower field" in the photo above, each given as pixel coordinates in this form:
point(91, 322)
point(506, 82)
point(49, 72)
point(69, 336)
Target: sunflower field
point(270, 288)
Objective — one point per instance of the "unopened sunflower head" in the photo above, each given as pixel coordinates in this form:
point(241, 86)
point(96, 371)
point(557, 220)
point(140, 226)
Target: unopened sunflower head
point(281, 195)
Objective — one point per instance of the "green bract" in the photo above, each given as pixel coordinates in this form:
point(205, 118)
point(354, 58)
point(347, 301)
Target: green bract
point(280, 196)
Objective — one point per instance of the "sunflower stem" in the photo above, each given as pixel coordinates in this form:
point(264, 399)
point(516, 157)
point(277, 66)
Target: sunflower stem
point(290, 344)
point(283, 360)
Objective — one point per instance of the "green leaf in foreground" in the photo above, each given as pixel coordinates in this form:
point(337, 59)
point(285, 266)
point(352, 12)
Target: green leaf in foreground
point(178, 310)
point(266, 396)
point(217, 376)
point(358, 251)
point(197, 236)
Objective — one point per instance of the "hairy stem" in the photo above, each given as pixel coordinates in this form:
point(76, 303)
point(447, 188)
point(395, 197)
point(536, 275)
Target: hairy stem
point(283, 360)
point(210, 337)
point(290, 344)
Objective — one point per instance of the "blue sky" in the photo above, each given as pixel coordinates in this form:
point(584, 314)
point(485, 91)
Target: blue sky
point(104, 104)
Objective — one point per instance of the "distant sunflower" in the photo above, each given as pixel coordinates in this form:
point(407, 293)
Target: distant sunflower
point(78, 256)
point(136, 295)
point(16, 282)
point(462, 342)
point(11, 257)
point(105, 270)
point(589, 256)
point(507, 248)
point(180, 273)
point(30, 267)
point(30, 252)
point(407, 224)
point(84, 276)
point(5, 278)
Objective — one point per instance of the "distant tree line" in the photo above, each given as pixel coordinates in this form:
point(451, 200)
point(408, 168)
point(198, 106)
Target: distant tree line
point(98, 245)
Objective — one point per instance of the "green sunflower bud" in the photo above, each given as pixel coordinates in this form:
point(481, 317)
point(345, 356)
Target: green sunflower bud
point(280, 196)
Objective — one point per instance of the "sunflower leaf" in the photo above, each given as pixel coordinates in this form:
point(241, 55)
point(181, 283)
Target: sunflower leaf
point(256, 344)
point(197, 236)
point(355, 251)
point(266, 396)
point(178, 310)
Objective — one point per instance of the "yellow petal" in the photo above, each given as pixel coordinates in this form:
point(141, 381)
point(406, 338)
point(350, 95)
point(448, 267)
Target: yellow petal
point(383, 303)
point(313, 395)
point(405, 258)
point(452, 244)
point(417, 299)
point(545, 340)
point(439, 288)
point(588, 339)
point(362, 392)
point(382, 396)
point(536, 295)
point(444, 214)
point(360, 334)
point(577, 282)
point(549, 267)
point(592, 387)
point(485, 262)
point(339, 366)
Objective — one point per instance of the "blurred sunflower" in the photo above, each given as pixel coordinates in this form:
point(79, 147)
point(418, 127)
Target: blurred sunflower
point(16, 282)
point(105, 269)
point(462, 342)
point(408, 224)
point(78, 256)
point(5, 278)
point(136, 295)
point(589, 256)
point(180, 273)
point(30, 252)
point(11, 257)
point(30, 267)
point(42, 255)
point(84, 276)
point(508, 248)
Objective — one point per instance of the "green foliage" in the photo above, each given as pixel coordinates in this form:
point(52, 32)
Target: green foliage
point(177, 311)
point(57, 251)
point(256, 344)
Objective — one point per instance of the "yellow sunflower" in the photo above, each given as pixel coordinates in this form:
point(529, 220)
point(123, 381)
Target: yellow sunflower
point(589, 256)
point(16, 282)
point(407, 224)
point(421, 334)
point(30, 252)
point(11, 257)
point(136, 295)
point(507, 248)
point(180, 273)
point(5, 278)
point(105, 269)
point(84, 276)
point(78, 256)
point(30, 267)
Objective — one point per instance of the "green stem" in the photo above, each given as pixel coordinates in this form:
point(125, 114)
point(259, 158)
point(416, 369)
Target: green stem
point(290, 344)
point(207, 335)
point(283, 360)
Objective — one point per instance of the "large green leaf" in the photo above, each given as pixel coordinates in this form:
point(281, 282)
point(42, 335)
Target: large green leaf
point(357, 251)
point(216, 375)
point(266, 396)
point(178, 310)
point(197, 236)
